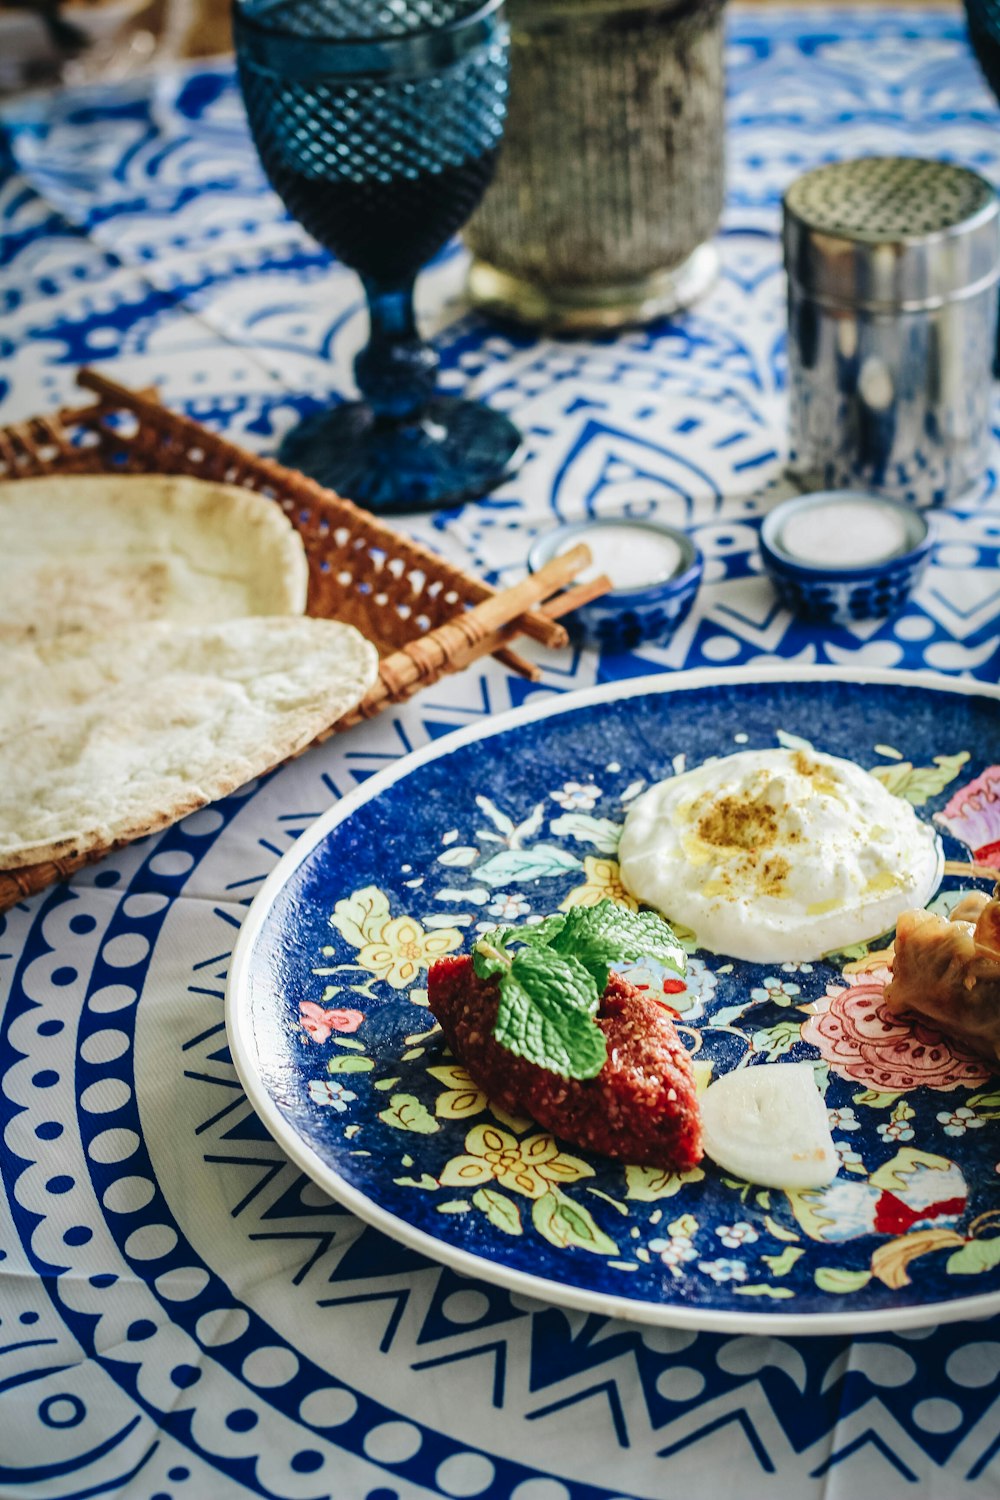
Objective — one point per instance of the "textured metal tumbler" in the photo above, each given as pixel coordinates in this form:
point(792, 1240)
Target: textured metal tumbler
point(892, 310)
point(610, 185)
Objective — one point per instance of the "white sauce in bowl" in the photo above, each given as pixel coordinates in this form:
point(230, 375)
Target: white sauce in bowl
point(844, 534)
point(632, 556)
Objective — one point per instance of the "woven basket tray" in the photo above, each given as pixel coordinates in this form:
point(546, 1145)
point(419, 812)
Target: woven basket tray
point(426, 617)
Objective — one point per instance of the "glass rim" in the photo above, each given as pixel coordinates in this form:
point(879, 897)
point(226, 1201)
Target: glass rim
point(396, 41)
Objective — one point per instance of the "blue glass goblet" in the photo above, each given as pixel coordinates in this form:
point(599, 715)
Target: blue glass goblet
point(378, 124)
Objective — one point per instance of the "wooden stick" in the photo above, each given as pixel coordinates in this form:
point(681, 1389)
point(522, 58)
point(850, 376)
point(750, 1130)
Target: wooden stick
point(515, 662)
point(561, 604)
point(579, 594)
point(504, 608)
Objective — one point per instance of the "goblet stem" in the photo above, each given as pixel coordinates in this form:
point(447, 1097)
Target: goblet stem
point(403, 448)
point(397, 369)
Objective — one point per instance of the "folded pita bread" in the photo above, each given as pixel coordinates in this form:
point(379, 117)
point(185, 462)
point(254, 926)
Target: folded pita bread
point(92, 552)
point(107, 738)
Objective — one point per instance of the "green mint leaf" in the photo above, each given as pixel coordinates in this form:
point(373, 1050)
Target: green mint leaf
point(489, 958)
point(607, 934)
point(538, 935)
point(561, 975)
point(545, 1015)
point(600, 973)
point(550, 988)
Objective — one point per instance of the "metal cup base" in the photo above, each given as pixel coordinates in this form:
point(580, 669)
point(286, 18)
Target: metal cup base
point(581, 309)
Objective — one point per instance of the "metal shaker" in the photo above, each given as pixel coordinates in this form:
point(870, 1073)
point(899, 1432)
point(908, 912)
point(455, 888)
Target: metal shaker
point(892, 269)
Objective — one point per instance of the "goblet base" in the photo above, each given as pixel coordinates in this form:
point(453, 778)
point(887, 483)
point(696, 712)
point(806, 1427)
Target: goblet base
point(453, 451)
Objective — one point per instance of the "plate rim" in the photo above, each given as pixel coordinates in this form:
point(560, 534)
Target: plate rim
point(541, 1288)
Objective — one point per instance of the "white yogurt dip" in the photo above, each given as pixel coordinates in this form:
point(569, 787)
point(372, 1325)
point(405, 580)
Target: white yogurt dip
point(778, 855)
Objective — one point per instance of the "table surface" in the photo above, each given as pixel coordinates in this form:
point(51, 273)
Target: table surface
point(262, 1340)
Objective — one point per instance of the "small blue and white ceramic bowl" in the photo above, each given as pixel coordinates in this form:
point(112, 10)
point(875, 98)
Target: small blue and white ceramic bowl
point(655, 571)
point(844, 555)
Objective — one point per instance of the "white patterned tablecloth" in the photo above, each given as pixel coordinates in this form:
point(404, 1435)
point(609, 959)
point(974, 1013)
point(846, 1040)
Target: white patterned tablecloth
point(257, 1339)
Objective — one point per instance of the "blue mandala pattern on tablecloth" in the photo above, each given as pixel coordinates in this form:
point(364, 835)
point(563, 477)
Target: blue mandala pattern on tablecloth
point(182, 1314)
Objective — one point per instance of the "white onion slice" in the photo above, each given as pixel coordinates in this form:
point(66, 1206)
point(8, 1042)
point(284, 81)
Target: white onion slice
point(769, 1125)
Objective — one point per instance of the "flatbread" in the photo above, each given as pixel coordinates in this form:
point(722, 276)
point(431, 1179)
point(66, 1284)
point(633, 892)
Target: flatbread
point(105, 739)
point(92, 552)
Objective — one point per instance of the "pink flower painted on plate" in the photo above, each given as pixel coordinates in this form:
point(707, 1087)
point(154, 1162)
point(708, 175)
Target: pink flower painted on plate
point(972, 814)
point(861, 1039)
point(320, 1024)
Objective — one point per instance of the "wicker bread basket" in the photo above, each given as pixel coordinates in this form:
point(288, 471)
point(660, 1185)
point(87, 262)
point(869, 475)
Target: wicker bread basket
point(426, 617)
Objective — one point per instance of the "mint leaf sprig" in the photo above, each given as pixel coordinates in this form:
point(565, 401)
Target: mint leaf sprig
point(551, 986)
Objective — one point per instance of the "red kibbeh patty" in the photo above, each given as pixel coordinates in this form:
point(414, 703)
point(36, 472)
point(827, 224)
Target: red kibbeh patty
point(642, 1107)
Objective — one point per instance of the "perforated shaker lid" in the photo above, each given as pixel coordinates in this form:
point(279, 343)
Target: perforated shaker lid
point(892, 232)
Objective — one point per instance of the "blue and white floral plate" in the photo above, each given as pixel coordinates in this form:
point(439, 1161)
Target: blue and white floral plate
point(329, 1028)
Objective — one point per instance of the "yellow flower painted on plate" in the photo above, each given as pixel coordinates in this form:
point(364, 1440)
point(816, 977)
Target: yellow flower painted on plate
point(531, 1167)
point(404, 948)
point(462, 1097)
point(875, 958)
point(603, 883)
